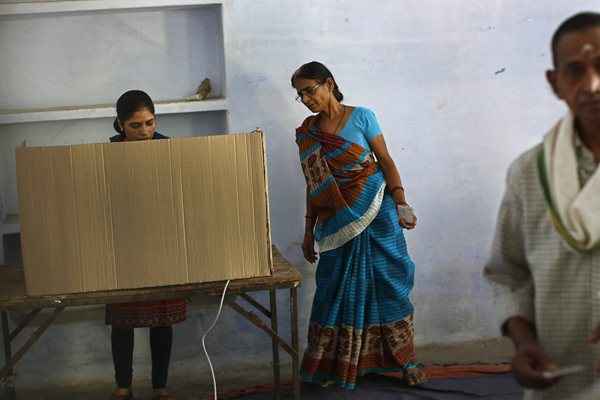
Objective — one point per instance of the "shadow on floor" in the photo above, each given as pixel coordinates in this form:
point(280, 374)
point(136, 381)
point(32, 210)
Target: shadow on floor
point(494, 387)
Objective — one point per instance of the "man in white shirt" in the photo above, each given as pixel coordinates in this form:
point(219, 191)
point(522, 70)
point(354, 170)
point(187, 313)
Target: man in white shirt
point(545, 264)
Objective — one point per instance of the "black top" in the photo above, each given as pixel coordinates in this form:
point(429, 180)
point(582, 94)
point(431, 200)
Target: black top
point(121, 137)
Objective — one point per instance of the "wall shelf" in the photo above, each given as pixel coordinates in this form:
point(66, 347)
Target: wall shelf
point(48, 7)
point(104, 111)
point(68, 60)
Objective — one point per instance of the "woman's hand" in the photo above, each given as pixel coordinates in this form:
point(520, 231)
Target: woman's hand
point(406, 216)
point(308, 247)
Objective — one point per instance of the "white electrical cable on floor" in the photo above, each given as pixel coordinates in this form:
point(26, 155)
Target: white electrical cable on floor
point(212, 371)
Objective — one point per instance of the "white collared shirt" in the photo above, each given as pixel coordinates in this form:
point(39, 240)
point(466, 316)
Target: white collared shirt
point(586, 163)
point(535, 274)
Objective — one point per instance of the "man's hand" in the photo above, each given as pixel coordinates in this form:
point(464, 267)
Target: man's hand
point(529, 363)
point(530, 360)
point(594, 338)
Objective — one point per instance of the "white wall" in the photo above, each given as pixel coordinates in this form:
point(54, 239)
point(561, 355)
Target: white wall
point(459, 88)
point(68, 59)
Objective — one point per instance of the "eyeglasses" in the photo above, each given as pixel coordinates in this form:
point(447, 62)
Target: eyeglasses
point(310, 91)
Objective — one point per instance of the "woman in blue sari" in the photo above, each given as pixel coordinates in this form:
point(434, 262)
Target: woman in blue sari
point(362, 317)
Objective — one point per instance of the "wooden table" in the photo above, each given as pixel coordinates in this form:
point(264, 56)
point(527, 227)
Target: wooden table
point(12, 296)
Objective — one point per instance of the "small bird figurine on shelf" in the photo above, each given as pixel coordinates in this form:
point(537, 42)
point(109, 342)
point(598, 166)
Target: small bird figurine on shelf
point(202, 92)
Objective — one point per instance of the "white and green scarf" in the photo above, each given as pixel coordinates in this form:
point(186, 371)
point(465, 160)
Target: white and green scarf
point(575, 210)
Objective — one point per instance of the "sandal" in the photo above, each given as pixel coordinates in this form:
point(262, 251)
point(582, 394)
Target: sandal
point(163, 396)
point(127, 396)
point(327, 383)
point(414, 374)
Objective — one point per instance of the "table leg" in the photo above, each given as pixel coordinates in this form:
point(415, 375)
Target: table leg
point(275, 328)
point(7, 383)
point(10, 363)
point(295, 343)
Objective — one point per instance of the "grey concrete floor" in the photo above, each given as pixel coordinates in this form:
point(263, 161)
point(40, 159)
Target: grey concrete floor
point(187, 386)
point(490, 351)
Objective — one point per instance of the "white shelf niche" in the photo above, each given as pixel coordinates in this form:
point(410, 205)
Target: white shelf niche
point(103, 111)
point(77, 71)
point(58, 6)
point(10, 225)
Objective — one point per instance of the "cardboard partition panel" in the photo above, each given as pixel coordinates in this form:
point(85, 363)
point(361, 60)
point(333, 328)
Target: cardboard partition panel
point(142, 214)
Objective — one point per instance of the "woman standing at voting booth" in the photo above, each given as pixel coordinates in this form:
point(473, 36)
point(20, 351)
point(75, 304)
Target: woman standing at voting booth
point(362, 318)
point(136, 120)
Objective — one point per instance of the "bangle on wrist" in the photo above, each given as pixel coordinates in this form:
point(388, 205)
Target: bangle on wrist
point(399, 187)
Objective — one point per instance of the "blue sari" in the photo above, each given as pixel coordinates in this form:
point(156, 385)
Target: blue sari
point(362, 317)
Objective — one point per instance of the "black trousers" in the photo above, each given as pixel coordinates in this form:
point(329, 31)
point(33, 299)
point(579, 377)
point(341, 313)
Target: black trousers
point(161, 340)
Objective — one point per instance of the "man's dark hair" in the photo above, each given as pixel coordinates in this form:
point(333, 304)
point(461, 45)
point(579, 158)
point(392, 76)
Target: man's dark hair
point(576, 23)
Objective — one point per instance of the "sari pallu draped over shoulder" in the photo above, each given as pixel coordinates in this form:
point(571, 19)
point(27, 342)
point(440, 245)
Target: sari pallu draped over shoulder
point(345, 186)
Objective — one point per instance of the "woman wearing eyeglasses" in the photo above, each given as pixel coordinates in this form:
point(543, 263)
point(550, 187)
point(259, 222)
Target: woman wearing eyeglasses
point(362, 318)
